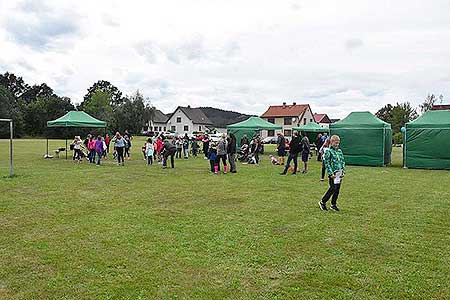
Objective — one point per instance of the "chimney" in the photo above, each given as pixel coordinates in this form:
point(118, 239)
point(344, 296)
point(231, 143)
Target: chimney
point(284, 104)
point(294, 103)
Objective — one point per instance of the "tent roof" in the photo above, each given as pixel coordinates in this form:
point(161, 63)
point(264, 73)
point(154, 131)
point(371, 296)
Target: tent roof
point(360, 119)
point(76, 119)
point(255, 123)
point(311, 127)
point(432, 119)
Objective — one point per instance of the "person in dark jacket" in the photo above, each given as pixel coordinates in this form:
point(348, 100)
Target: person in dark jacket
point(319, 143)
point(305, 151)
point(231, 151)
point(205, 142)
point(169, 149)
point(281, 148)
point(294, 150)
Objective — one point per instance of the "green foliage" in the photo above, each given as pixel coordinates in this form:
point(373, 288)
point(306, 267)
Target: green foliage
point(99, 106)
point(115, 95)
point(37, 113)
point(397, 115)
point(130, 114)
point(397, 138)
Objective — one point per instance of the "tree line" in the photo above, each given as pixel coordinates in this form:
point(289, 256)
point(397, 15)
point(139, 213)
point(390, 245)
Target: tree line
point(31, 106)
point(401, 113)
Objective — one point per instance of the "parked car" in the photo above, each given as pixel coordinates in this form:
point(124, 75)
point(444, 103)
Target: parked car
point(269, 140)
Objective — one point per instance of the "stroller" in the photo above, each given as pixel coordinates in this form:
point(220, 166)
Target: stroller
point(243, 153)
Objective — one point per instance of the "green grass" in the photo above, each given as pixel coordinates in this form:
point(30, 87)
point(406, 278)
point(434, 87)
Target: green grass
point(136, 232)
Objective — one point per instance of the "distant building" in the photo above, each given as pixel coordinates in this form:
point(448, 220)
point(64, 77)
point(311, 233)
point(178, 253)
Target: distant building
point(159, 122)
point(441, 107)
point(188, 120)
point(335, 120)
point(288, 116)
point(322, 119)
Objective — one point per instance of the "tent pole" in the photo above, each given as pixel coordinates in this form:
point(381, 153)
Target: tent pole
point(384, 146)
point(404, 150)
point(47, 146)
point(66, 142)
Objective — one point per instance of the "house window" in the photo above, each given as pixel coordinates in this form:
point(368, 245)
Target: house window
point(287, 132)
point(199, 128)
point(310, 120)
point(173, 128)
point(271, 120)
point(186, 128)
point(270, 132)
point(165, 128)
point(178, 119)
point(287, 121)
point(304, 121)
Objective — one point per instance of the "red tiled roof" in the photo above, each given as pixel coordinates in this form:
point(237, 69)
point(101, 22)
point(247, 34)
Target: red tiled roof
point(441, 107)
point(322, 118)
point(285, 110)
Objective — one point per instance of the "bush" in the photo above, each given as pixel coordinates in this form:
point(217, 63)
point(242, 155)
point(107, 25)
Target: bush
point(397, 138)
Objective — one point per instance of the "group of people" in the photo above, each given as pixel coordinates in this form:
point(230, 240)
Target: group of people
point(94, 149)
point(297, 146)
point(222, 154)
point(328, 153)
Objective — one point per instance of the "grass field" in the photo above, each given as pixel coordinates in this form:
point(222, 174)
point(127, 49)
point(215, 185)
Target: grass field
point(136, 232)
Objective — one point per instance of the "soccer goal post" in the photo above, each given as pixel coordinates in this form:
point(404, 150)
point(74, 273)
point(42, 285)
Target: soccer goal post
point(11, 134)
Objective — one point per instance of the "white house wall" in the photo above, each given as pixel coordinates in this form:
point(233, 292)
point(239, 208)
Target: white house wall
point(179, 127)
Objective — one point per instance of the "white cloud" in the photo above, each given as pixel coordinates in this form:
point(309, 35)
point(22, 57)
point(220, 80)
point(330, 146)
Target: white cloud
point(240, 55)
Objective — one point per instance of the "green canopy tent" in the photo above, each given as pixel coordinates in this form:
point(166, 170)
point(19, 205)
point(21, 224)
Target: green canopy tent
point(250, 127)
point(427, 141)
point(312, 130)
point(78, 119)
point(365, 139)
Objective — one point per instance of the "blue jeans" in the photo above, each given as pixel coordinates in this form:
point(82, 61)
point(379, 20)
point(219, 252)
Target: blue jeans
point(99, 157)
point(91, 156)
point(294, 158)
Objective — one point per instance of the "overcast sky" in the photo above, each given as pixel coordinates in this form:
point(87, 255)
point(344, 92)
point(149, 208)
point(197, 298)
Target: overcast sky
point(338, 56)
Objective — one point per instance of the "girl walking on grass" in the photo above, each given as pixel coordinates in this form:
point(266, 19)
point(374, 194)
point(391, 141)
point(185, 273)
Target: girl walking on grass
point(127, 146)
point(77, 153)
point(212, 156)
point(91, 149)
point(119, 145)
point(149, 150)
point(99, 149)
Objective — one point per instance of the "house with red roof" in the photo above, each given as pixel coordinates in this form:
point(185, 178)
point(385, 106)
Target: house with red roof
point(288, 116)
point(322, 119)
